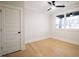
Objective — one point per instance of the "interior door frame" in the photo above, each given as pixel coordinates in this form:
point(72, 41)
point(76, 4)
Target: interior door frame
point(2, 7)
point(1, 28)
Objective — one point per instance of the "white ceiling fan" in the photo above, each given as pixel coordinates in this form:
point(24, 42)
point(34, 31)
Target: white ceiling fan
point(53, 5)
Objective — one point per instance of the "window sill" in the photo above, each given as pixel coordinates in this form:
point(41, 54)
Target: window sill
point(68, 29)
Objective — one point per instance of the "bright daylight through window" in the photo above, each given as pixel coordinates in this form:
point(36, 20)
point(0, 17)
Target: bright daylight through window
point(71, 21)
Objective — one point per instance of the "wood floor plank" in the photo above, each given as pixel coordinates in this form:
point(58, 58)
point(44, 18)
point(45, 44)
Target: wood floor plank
point(48, 48)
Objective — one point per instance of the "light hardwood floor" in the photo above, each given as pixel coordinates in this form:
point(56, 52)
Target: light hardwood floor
point(48, 48)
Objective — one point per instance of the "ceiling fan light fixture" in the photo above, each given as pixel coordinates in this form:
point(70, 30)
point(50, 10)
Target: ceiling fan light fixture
point(53, 7)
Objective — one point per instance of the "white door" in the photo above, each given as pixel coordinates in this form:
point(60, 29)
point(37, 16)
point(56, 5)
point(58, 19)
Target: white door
point(11, 41)
point(0, 32)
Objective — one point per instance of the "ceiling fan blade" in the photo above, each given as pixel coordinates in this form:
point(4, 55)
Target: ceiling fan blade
point(53, 2)
point(49, 9)
point(60, 6)
point(49, 3)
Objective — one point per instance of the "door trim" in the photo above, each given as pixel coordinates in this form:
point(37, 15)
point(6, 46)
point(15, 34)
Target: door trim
point(1, 28)
point(22, 29)
point(2, 7)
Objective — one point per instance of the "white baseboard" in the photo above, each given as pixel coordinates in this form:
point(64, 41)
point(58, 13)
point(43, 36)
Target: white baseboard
point(66, 40)
point(58, 38)
point(38, 39)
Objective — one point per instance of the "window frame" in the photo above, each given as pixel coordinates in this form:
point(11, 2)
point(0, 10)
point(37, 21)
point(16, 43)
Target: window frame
point(65, 18)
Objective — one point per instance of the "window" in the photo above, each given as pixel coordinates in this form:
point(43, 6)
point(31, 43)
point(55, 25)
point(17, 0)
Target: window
point(71, 21)
point(60, 21)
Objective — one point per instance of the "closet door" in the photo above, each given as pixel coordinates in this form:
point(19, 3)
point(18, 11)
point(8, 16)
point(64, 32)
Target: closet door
point(12, 40)
point(0, 32)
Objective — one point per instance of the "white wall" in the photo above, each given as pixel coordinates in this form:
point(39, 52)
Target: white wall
point(36, 22)
point(19, 4)
point(71, 36)
point(36, 25)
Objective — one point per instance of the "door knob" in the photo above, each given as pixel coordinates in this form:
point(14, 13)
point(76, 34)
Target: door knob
point(19, 32)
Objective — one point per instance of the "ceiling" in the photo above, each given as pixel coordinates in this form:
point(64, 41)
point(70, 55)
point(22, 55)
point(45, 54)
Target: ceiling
point(43, 6)
point(37, 5)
